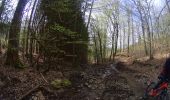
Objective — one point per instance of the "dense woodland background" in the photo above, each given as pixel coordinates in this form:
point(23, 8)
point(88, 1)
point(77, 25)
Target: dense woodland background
point(59, 34)
point(82, 31)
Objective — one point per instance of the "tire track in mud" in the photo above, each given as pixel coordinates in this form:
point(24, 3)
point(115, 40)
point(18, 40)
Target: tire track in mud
point(135, 78)
point(135, 86)
point(131, 74)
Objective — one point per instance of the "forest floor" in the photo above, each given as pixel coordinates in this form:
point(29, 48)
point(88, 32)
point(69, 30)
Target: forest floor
point(123, 80)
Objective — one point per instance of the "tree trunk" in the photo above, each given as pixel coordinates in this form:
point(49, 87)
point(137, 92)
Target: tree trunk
point(112, 48)
point(100, 46)
point(116, 39)
point(133, 35)
point(29, 33)
point(167, 5)
point(128, 13)
point(124, 37)
point(1, 11)
point(139, 8)
point(120, 39)
point(13, 42)
point(90, 14)
point(96, 50)
point(2, 8)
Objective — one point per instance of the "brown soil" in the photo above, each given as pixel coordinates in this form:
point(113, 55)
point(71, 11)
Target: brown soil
point(94, 82)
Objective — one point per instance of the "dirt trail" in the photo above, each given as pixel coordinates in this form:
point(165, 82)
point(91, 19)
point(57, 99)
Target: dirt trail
point(122, 80)
point(136, 87)
point(130, 76)
point(136, 75)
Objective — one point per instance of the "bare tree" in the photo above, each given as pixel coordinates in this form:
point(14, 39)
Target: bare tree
point(139, 8)
point(167, 4)
point(13, 42)
point(91, 8)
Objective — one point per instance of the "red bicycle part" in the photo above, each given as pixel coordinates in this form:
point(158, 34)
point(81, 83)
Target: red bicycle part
point(156, 92)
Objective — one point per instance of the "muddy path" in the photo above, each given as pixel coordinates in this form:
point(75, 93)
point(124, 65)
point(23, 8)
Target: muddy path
point(135, 86)
point(115, 81)
point(103, 82)
point(119, 81)
point(138, 72)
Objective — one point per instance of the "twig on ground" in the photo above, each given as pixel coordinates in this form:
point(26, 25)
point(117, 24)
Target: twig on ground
point(27, 93)
point(44, 78)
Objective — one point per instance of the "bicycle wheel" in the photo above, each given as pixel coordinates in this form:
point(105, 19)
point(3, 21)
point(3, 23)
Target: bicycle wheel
point(159, 97)
point(149, 88)
point(163, 96)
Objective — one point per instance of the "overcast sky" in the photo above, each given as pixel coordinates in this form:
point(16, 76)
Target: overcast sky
point(159, 3)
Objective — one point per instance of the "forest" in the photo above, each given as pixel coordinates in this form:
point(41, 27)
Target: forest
point(81, 49)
